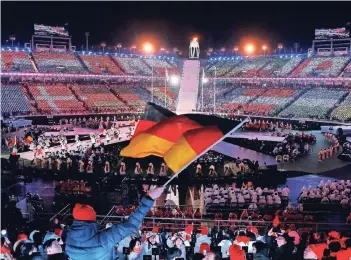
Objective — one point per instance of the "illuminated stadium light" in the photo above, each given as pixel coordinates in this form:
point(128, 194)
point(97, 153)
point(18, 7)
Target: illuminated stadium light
point(264, 47)
point(174, 80)
point(148, 48)
point(249, 48)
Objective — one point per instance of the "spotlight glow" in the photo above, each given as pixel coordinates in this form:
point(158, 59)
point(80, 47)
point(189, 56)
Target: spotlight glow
point(148, 48)
point(249, 48)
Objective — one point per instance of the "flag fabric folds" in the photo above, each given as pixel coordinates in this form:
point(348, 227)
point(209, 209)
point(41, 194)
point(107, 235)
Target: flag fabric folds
point(12, 142)
point(28, 140)
point(178, 139)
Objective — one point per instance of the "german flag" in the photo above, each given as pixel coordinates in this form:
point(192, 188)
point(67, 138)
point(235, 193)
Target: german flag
point(28, 140)
point(12, 142)
point(179, 139)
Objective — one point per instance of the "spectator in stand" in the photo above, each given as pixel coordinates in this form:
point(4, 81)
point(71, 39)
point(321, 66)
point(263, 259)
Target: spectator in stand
point(211, 256)
point(5, 246)
point(173, 253)
point(125, 243)
point(152, 241)
point(285, 248)
point(12, 220)
point(53, 250)
point(259, 251)
point(202, 238)
point(135, 250)
point(84, 240)
point(177, 241)
point(25, 250)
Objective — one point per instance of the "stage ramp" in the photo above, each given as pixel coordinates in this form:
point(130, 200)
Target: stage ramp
point(187, 97)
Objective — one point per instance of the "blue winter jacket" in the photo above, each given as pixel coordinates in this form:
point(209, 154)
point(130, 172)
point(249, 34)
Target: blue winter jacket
point(85, 241)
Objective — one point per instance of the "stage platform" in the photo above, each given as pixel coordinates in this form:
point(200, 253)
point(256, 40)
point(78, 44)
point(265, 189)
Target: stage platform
point(76, 131)
point(17, 122)
point(235, 151)
point(123, 133)
point(261, 136)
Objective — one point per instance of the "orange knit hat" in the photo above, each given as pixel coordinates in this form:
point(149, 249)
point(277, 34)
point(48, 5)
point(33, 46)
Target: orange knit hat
point(189, 229)
point(204, 231)
point(204, 247)
point(276, 221)
point(155, 229)
point(235, 252)
point(318, 249)
point(22, 237)
point(84, 212)
point(58, 232)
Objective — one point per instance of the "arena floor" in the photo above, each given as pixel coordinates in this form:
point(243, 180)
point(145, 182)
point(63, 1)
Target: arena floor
point(309, 168)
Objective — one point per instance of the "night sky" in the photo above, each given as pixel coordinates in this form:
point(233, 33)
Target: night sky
point(173, 24)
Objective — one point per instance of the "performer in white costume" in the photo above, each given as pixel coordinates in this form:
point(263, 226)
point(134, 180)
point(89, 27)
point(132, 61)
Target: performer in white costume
point(194, 49)
point(122, 169)
point(108, 138)
point(163, 170)
point(78, 143)
point(93, 140)
point(150, 169)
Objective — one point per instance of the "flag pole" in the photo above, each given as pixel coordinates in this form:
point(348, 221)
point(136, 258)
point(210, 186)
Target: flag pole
point(166, 76)
point(207, 149)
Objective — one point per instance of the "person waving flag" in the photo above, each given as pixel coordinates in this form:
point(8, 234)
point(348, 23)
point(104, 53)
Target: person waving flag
point(178, 139)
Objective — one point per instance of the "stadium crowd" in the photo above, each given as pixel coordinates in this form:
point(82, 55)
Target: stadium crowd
point(249, 236)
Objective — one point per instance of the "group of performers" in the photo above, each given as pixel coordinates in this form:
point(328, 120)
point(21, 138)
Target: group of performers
point(263, 125)
point(150, 171)
point(328, 153)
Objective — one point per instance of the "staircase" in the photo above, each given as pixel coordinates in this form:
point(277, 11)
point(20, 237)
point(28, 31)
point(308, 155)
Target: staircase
point(294, 100)
point(82, 63)
point(117, 64)
point(147, 65)
point(330, 111)
point(78, 98)
point(118, 97)
point(343, 68)
point(256, 97)
point(300, 68)
point(187, 97)
point(29, 95)
point(34, 64)
point(291, 102)
point(230, 69)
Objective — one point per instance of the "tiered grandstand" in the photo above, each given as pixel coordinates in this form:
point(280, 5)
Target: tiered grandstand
point(14, 61)
point(264, 66)
point(57, 62)
point(343, 111)
point(97, 97)
point(290, 96)
point(101, 64)
point(134, 66)
point(316, 102)
point(321, 67)
point(14, 100)
point(54, 98)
